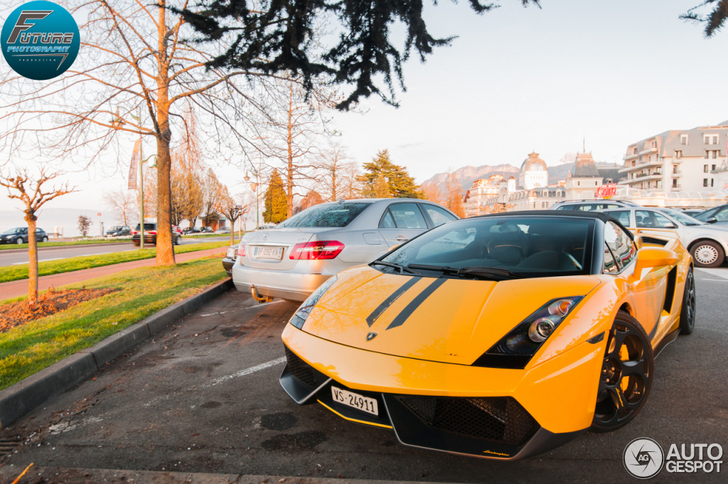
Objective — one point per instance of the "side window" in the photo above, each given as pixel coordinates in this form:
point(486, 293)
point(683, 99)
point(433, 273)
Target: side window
point(644, 219)
point(610, 267)
point(588, 207)
point(663, 222)
point(722, 215)
point(621, 215)
point(387, 221)
point(407, 216)
point(438, 215)
point(620, 244)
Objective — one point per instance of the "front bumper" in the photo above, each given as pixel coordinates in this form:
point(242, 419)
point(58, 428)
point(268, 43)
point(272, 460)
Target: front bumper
point(485, 412)
point(286, 285)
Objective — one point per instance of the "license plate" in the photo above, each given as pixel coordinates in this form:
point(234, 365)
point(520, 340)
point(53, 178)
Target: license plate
point(354, 400)
point(275, 253)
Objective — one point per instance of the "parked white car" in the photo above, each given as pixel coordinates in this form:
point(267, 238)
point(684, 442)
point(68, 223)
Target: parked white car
point(707, 244)
point(293, 259)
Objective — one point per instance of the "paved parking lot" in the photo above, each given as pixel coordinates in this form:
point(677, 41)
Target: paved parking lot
point(203, 396)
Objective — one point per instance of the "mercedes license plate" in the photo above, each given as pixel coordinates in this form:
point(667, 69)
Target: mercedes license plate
point(354, 400)
point(275, 253)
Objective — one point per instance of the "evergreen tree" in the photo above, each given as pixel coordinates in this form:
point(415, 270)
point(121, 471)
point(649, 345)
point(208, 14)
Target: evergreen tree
point(400, 183)
point(276, 204)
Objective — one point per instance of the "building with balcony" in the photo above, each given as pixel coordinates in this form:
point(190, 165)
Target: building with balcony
point(677, 160)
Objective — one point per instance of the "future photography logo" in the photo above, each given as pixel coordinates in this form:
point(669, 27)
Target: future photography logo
point(40, 40)
point(644, 458)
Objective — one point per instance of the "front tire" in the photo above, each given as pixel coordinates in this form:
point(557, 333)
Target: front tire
point(687, 311)
point(707, 253)
point(626, 378)
point(19, 240)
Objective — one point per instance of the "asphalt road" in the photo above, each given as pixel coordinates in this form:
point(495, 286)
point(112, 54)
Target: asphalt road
point(17, 257)
point(203, 396)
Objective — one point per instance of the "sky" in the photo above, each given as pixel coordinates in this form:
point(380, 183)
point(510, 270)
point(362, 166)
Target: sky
point(602, 74)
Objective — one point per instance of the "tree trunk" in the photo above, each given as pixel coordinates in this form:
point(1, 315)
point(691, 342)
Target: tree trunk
point(165, 248)
point(33, 260)
point(232, 231)
point(289, 178)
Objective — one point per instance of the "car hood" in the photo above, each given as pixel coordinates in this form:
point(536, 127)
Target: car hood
point(437, 319)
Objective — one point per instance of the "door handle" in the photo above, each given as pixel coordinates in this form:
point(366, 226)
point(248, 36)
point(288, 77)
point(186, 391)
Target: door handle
point(401, 238)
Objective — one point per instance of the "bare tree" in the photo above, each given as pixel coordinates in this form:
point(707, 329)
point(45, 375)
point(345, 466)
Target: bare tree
point(84, 224)
point(297, 127)
point(122, 203)
point(453, 197)
point(233, 210)
point(336, 169)
point(212, 192)
point(432, 193)
point(22, 187)
point(139, 59)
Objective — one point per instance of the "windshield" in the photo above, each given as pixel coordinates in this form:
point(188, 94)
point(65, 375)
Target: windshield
point(681, 217)
point(14, 231)
point(499, 246)
point(328, 215)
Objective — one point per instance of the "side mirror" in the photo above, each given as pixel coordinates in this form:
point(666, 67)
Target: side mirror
point(654, 257)
point(711, 220)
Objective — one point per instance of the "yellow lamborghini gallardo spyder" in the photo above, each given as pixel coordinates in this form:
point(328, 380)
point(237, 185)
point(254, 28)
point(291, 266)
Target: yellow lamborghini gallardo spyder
point(500, 336)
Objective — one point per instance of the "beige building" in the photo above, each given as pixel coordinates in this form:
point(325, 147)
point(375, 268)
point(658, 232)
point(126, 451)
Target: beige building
point(677, 160)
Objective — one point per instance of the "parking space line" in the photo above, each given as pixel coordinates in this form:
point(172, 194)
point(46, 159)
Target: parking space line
point(250, 370)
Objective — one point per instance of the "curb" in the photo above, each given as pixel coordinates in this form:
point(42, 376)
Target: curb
point(24, 396)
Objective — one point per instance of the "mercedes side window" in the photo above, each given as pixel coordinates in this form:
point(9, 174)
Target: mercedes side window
point(387, 221)
point(438, 215)
point(407, 216)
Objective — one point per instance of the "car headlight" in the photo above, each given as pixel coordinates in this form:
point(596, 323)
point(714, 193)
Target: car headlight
point(517, 348)
point(299, 317)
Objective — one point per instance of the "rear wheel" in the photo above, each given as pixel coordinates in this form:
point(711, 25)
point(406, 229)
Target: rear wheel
point(687, 311)
point(19, 240)
point(707, 253)
point(45, 239)
point(626, 377)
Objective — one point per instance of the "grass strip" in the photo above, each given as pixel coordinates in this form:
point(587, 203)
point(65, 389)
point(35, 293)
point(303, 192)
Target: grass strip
point(98, 241)
point(29, 348)
point(14, 273)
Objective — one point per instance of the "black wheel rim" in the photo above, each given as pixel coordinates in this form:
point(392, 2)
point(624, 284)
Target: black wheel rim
point(690, 299)
point(625, 378)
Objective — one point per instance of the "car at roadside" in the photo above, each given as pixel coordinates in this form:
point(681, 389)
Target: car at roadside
point(589, 205)
point(716, 215)
point(706, 243)
point(150, 235)
point(19, 235)
point(190, 230)
point(206, 230)
point(291, 260)
point(229, 260)
point(118, 231)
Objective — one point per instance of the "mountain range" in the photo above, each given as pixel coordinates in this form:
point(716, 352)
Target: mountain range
point(468, 174)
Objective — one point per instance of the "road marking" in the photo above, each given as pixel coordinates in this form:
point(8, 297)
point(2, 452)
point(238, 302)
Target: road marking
point(717, 272)
point(44, 260)
point(250, 370)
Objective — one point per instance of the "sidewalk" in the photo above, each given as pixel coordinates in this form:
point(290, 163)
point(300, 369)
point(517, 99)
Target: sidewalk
point(20, 288)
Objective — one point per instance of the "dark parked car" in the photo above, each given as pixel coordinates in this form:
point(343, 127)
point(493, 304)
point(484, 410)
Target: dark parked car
point(206, 230)
point(118, 231)
point(717, 215)
point(150, 235)
point(190, 230)
point(19, 235)
point(229, 260)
